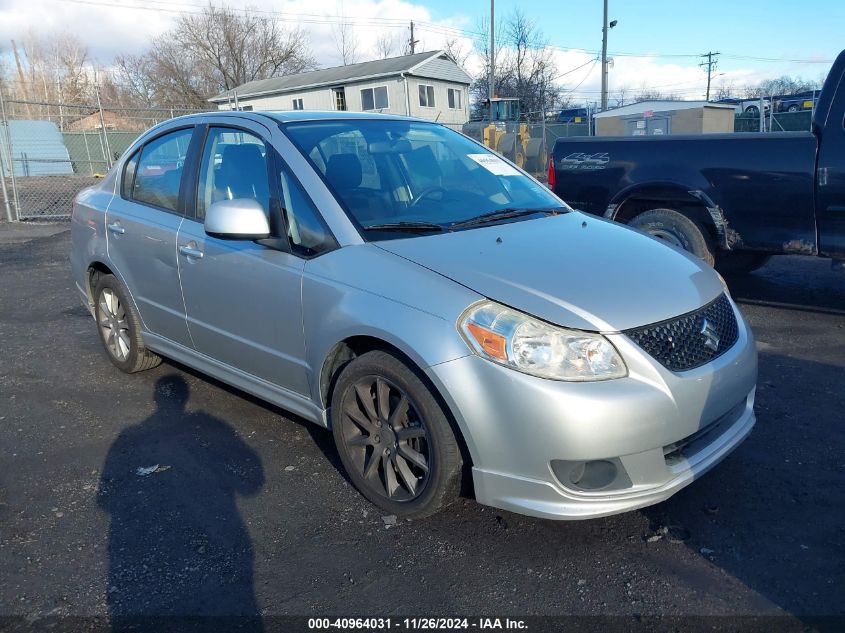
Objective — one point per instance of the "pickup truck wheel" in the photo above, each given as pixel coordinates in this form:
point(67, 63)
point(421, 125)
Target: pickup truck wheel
point(740, 263)
point(677, 229)
point(393, 437)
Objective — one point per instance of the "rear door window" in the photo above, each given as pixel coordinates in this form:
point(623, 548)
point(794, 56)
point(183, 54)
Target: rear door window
point(158, 174)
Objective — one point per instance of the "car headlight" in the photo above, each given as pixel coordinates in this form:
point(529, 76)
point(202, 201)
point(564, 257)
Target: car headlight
point(521, 342)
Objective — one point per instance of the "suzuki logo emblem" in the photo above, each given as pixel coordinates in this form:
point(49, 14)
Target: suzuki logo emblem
point(711, 338)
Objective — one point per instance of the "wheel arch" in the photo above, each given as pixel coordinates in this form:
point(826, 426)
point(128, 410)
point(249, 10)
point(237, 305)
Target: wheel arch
point(96, 269)
point(346, 350)
point(693, 203)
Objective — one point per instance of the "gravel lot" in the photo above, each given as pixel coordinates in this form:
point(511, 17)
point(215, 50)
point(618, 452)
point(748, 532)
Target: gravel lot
point(248, 512)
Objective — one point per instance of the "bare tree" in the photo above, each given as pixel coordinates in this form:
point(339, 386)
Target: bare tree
point(218, 49)
point(524, 66)
point(346, 41)
point(622, 95)
point(54, 68)
point(725, 90)
point(387, 45)
point(784, 85)
point(456, 50)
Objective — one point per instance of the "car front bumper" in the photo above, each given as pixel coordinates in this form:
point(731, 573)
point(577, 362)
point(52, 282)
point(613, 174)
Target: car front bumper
point(655, 431)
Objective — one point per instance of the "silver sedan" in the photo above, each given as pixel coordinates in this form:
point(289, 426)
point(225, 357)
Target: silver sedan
point(444, 314)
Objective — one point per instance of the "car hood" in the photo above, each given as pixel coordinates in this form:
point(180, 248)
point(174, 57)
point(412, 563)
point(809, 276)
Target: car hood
point(573, 270)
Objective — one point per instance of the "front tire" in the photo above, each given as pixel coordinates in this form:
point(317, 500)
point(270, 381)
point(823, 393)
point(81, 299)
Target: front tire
point(393, 437)
point(677, 229)
point(120, 327)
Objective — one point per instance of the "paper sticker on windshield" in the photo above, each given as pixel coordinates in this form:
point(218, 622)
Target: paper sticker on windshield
point(494, 164)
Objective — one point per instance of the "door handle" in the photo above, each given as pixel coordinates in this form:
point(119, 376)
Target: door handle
point(116, 228)
point(189, 251)
point(822, 178)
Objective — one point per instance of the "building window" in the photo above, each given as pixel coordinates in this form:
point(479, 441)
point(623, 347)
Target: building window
point(455, 99)
point(297, 104)
point(374, 98)
point(339, 99)
point(426, 96)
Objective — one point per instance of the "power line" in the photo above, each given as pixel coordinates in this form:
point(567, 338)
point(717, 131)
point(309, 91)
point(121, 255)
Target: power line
point(163, 6)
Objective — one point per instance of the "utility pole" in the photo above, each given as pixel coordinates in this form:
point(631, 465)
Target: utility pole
point(24, 88)
point(491, 80)
point(412, 43)
point(604, 60)
point(709, 66)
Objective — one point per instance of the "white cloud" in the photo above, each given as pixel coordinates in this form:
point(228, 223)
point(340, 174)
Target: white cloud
point(109, 28)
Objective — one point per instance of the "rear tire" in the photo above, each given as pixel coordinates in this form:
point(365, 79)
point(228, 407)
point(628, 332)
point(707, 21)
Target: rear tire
point(740, 262)
point(677, 229)
point(393, 437)
point(119, 327)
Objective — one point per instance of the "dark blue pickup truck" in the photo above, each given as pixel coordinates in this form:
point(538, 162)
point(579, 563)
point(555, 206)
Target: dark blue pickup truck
point(732, 199)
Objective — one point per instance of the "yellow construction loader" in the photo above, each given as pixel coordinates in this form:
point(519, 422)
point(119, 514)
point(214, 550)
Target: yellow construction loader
point(511, 137)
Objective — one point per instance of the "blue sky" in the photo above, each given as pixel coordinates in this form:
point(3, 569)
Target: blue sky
point(650, 40)
point(792, 29)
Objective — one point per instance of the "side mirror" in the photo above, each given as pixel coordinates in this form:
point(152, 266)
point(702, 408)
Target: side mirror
point(238, 219)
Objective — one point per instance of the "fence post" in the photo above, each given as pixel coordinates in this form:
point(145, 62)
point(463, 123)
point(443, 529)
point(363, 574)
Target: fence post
point(5, 192)
point(88, 153)
point(102, 123)
point(11, 156)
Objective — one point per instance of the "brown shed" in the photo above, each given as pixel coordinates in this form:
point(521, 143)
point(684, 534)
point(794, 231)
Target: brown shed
point(653, 118)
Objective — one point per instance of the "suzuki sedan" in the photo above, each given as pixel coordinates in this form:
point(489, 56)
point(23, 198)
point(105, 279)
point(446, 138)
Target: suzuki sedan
point(438, 309)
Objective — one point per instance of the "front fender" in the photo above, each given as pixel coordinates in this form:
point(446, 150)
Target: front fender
point(366, 291)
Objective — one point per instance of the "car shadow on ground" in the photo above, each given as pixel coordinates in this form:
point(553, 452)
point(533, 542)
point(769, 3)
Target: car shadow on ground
point(177, 544)
point(807, 286)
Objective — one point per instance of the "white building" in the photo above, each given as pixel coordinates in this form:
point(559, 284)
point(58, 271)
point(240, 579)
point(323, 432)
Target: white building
point(425, 85)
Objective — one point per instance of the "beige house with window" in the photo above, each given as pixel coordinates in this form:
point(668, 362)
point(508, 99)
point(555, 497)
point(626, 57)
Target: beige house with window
point(425, 85)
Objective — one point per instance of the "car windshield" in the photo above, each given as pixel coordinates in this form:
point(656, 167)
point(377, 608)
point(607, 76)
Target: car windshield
point(397, 177)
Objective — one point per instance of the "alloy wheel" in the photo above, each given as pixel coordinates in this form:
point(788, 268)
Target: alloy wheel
point(386, 439)
point(114, 327)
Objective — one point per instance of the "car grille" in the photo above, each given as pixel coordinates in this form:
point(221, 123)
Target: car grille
point(690, 340)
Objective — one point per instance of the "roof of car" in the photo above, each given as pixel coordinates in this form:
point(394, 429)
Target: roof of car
point(294, 116)
point(316, 115)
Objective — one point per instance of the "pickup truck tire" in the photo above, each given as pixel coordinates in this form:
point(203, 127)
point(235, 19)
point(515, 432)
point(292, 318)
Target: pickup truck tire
point(677, 229)
point(740, 263)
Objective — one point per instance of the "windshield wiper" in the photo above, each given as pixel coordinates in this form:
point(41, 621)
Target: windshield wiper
point(411, 227)
point(501, 214)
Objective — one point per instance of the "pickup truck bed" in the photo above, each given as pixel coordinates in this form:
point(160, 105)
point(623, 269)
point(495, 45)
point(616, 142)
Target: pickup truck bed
point(732, 199)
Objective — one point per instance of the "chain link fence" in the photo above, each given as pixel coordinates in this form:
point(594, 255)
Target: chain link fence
point(49, 151)
point(527, 144)
point(774, 122)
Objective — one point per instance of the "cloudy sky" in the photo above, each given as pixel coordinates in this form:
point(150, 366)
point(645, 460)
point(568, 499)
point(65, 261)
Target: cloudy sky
point(655, 44)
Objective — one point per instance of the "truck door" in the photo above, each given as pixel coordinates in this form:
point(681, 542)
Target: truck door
point(830, 175)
